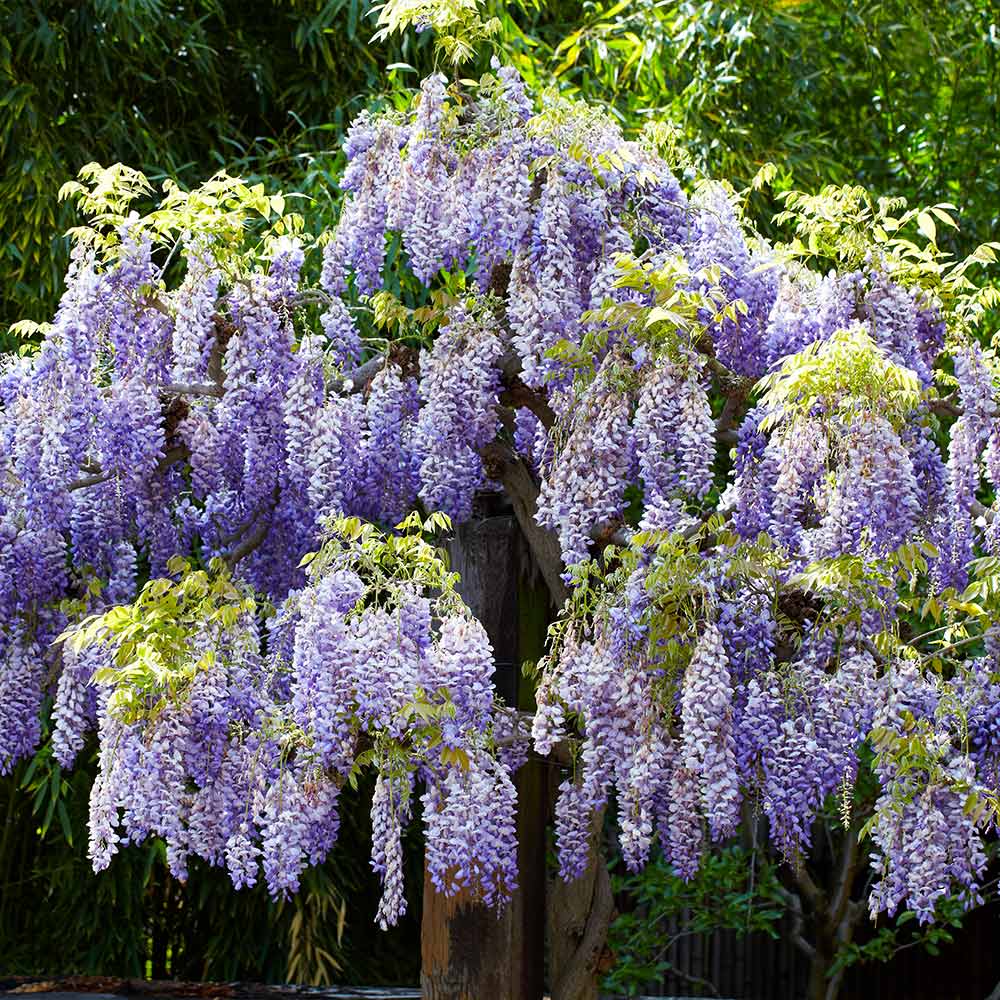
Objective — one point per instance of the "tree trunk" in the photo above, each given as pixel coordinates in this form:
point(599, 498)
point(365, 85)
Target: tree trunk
point(820, 986)
point(835, 914)
point(580, 913)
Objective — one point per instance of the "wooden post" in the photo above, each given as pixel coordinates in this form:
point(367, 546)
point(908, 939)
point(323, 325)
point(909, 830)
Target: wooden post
point(470, 951)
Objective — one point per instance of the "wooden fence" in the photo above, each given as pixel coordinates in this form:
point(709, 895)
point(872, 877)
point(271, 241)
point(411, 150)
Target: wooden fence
point(758, 967)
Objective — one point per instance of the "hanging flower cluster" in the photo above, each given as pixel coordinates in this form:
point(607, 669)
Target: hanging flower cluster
point(239, 756)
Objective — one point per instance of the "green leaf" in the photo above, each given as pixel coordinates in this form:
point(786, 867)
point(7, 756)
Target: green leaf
point(925, 223)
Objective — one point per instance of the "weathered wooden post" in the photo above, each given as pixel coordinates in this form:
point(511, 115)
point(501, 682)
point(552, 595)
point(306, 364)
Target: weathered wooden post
point(470, 951)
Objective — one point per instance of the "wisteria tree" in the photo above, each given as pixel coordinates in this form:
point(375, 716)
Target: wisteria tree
point(757, 479)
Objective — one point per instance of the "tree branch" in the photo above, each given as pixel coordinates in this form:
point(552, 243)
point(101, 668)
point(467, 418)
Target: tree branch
point(812, 892)
point(252, 533)
point(503, 465)
point(945, 406)
point(794, 904)
point(192, 389)
point(687, 977)
point(358, 380)
point(730, 383)
point(845, 877)
point(170, 457)
point(518, 394)
point(249, 543)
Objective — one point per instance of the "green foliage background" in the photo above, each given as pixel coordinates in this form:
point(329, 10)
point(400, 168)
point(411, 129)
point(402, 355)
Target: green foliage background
point(136, 920)
point(902, 97)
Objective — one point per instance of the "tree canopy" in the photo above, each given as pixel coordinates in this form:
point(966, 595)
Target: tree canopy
point(757, 474)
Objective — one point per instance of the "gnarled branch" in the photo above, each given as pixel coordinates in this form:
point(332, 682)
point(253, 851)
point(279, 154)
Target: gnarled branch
point(192, 389)
point(794, 904)
point(507, 468)
point(170, 457)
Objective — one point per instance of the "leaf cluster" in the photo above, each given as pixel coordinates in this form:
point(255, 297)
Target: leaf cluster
point(846, 375)
point(734, 890)
point(170, 633)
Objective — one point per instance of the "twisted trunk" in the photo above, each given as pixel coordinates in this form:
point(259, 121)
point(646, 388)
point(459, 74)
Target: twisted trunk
point(580, 913)
point(834, 918)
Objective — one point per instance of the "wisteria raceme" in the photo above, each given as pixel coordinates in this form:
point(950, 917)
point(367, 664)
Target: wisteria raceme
point(663, 206)
point(810, 307)
point(794, 320)
point(387, 673)
point(499, 208)
point(152, 790)
point(801, 457)
point(283, 853)
point(606, 684)
point(287, 258)
point(242, 853)
point(978, 396)
point(585, 484)
point(513, 91)
point(574, 809)
point(798, 739)
point(682, 833)
point(547, 723)
point(74, 712)
point(391, 465)
point(991, 461)
point(545, 299)
point(425, 202)
point(131, 442)
point(718, 238)
point(462, 662)
point(981, 700)
point(323, 669)
point(104, 811)
point(647, 784)
point(531, 439)
point(875, 501)
point(895, 318)
point(21, 675)
point(194, 304)
point(215, 812)
point(321, 815)
point(953, 532)
point(748, 634)
point(708, 747)
point(301, 406)
point(336, 456)
point(674, 440)
point(928, 467)
point(459, 387)
point(342, 332)
point(358, 245)
point(137, 335)
point(470, 831)
point(757, 466)
point(928, 843)
point(390, 812)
